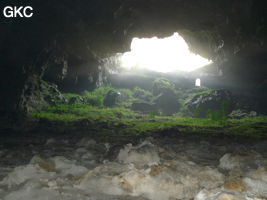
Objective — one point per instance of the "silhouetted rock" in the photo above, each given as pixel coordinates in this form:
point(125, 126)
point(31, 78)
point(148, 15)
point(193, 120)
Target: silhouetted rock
point(111, 98)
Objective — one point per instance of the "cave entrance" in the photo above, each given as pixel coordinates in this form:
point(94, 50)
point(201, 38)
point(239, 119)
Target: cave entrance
point(162, 55)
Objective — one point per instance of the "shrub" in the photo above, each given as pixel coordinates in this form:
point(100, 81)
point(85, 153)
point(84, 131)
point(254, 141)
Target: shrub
point(161, 84)
point(103, 90)
point(142, 94)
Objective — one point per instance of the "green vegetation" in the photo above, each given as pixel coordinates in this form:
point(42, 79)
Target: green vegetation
point(77, 111)
point(126, 122)
point(191, 94)
point(94, 99)
point(161, 84)
point(142, 94)
point(120, 121)
point(221, 114)
point(102, 91)
point(202, 92)
point(186, 96)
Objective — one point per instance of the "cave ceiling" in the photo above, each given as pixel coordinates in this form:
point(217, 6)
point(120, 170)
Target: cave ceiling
point(104, 27)
point(221, 30)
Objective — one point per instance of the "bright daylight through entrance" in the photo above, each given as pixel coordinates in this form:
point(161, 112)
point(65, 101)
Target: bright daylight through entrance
point(162, 55)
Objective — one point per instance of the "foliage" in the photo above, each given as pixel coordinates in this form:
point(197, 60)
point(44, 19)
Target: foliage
point(103, 90)
point(195, 94)
point(142, 94)
point(94, 99)
point(203, 92)
point(186, 97)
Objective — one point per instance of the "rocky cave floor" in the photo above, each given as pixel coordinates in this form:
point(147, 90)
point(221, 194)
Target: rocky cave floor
point(78, 167)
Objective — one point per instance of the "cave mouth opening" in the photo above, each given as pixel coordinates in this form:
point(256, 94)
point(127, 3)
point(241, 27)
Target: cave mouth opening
point(168, 54)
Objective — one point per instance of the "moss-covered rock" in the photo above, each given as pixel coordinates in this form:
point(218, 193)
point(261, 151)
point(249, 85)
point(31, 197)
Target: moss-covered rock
point(160, 85)
point(37, 93)
point(211, 103)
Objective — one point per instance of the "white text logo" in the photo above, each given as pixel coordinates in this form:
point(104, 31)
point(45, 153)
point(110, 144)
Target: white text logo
point(22, 11)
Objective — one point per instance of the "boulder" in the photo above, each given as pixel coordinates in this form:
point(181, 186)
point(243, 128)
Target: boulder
point(162, 84)
point(37, 93)
point(144, 107)
point(167, 102)
point(219, 101)
point(123, 96)
point(111, 98)
point(51, 93)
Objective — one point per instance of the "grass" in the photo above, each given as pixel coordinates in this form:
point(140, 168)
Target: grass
point(121, 121)
point(77, 111)
point(249, 127)
point(65, 117)
point(126, 122)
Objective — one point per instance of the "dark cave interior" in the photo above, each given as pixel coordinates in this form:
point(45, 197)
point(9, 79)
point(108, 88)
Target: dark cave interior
point(76, 125)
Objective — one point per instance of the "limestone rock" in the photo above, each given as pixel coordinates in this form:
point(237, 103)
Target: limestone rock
point(216, 100)
point(47, 165)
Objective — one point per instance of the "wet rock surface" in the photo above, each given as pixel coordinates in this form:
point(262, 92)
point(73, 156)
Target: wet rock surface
point(154, 168)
